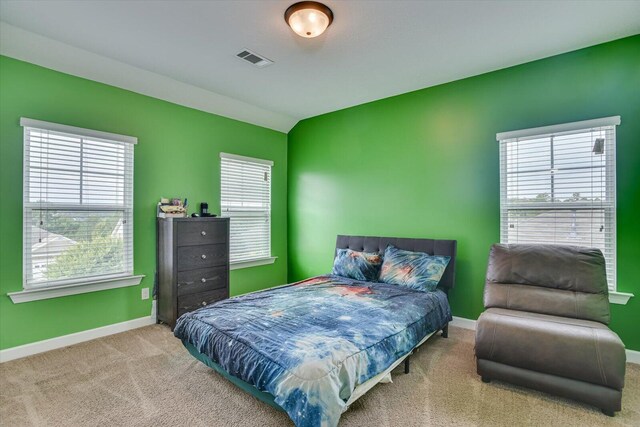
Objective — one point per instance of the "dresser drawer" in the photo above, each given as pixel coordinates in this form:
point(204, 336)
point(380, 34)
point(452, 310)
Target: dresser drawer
point(203, 256)
point(193, 302)
point(202, 280)
point(201, 232)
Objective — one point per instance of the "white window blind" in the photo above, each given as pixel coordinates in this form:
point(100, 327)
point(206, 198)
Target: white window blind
point(246, 200)
point(557, 186)
point(77, 205)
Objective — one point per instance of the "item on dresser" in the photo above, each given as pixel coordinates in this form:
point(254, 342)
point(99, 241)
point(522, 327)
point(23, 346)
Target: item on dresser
point(204, 209)
point(171, 209)
point(193, 265)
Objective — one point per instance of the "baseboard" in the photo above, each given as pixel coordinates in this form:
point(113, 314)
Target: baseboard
point(461, 322)
point(633, 356)
point(78, 337)
point(71, 339)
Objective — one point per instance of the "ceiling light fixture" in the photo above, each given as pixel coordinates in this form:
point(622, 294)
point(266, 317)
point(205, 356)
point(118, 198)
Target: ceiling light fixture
point(308, 18)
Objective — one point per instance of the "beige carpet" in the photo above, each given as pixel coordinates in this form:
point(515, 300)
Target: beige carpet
point(146, 378)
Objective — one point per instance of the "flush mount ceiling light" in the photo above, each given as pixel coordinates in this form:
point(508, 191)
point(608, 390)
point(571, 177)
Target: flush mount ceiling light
point(308, 18)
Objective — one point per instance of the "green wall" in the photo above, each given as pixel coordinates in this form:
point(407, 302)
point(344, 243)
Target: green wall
point(425, 164)
point(177, 156)
point(422, 164)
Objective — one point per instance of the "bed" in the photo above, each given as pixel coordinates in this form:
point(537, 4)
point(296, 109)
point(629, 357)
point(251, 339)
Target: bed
point(313, 347)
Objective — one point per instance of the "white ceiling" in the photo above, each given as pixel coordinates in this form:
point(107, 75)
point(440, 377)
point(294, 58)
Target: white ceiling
point(373, 49)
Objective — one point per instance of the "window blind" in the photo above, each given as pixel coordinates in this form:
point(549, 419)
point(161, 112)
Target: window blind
point(246, 200)
point(557, 186)
point(77, 205)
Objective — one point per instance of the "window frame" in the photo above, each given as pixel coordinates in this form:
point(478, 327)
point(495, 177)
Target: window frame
point(609, 207)
point(88, 283)
point(227, 213)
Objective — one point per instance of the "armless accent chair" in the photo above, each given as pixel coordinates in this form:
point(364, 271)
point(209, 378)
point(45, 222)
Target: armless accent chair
point(545, 324)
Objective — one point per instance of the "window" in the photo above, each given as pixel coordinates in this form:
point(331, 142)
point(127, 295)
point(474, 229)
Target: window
point(246, 199)
point(77, 205)
point(558, 186)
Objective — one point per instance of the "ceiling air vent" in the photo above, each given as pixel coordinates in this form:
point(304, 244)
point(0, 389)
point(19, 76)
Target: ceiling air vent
point(254, 58)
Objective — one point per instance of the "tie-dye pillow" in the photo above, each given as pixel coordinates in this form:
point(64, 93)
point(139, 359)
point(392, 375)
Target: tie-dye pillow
point(416, 270)
point(357, 265)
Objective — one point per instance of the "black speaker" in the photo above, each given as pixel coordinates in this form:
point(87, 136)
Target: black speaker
point(204, 209)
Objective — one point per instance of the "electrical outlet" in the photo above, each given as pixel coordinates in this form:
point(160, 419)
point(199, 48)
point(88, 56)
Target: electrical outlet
point(145, 293)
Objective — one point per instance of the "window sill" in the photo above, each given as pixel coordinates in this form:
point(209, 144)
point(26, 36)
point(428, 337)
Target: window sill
point(76, 288)
point(252, 263)
point(619, 297)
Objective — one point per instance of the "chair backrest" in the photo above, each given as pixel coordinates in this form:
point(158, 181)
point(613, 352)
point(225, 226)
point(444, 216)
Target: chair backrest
point(567, 281)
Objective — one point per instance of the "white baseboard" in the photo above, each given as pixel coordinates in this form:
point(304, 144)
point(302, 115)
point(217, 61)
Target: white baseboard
point(78, 337)
point(71, 339)
point(461, 322)
point(633, 356)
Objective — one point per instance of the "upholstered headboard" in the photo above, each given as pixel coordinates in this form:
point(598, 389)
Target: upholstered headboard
point(430, 246)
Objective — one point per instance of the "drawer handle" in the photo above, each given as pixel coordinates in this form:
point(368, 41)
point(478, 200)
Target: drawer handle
point(204, 233)
point(204, 303)
point(203, 280)
point(203, 256)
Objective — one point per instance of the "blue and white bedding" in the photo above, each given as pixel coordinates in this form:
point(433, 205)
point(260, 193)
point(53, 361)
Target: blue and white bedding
point(310, 344)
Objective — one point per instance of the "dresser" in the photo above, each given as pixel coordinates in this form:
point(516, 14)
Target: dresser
point(193, 265)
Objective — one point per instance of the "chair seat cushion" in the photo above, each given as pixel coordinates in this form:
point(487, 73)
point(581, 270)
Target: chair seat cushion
point(572, 348)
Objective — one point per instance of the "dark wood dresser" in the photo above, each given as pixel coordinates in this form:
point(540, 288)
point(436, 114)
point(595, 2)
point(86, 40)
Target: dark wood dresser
point(193, 265)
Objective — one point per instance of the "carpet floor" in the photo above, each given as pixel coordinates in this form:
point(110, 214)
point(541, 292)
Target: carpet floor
point(145, 377)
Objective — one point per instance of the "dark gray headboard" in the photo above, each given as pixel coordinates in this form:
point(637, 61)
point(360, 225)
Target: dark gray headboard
point(430, 246)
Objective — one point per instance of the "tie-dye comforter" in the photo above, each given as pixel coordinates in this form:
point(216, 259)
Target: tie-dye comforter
point(310, 344)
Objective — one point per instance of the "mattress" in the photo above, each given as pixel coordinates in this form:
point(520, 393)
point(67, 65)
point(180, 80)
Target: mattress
point(312, 343)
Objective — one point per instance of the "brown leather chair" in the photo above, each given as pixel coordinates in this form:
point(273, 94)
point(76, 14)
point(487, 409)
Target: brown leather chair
point(545, 324)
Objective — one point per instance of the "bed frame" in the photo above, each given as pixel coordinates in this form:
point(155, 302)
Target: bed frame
point(429, 246)
point(366, 244)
